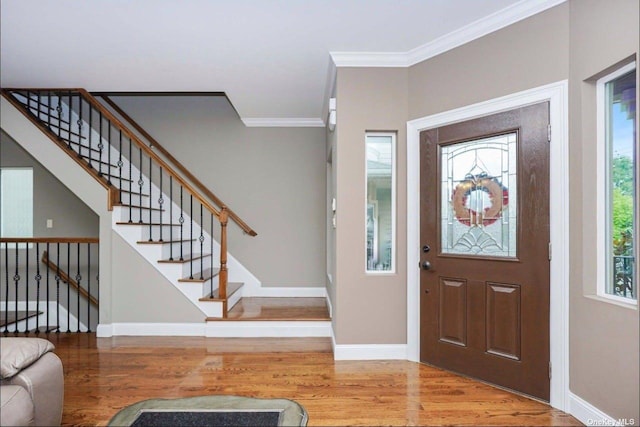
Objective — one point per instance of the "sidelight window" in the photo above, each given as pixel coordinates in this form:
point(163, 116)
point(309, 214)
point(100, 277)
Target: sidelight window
point(381, 201)
point(618, 198)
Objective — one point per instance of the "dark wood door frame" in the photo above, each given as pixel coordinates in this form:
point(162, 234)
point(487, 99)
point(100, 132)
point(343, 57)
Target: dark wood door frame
point(557, 94)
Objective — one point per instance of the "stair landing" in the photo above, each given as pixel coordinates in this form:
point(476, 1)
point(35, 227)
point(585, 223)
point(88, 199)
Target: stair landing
point(278, 309)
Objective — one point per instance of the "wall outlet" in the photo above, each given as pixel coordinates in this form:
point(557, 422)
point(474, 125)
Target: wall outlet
point(49, 223)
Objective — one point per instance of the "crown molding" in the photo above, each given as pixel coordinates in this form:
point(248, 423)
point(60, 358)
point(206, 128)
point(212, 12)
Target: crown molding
point(494, 22)
point(292, 122)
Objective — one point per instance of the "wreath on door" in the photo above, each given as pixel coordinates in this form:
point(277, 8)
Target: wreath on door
point(498, 197)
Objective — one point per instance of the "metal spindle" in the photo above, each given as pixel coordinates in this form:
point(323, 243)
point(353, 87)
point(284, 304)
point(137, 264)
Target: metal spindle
point(79, 123)
point(130, 184)
point(108, 150)
point(100, 145)
point(89, 140)
point(88, 287)
point(211, 257)
point(190, 236)
point(170, 217)
point(181, 221)
point(48, 323)
point(16, 279)
point(140, 184)
point(201, 238)
point(70, 120)
point(120, 167)
point(150, 200)
point(26, 323)
point(38, 277)
point(161, 202)
point(57, 288)
point(6, 286)
point(78, 280)
point(68, 288)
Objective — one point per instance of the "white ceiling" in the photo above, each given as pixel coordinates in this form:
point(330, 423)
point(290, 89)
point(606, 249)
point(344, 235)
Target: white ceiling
point(271, 57)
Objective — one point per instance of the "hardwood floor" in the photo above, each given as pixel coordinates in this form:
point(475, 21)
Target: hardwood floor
point(102, 375)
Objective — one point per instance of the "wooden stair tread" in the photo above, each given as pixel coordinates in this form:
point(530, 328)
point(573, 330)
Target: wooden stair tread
point(146, 208)
point(232, 288)
point(158, 242)
point(278, 309)
point(206, 274)
point(146, 224)
point(185, 258)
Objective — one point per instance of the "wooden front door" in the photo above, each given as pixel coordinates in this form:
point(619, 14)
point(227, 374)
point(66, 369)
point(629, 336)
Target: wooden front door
point(484, 282)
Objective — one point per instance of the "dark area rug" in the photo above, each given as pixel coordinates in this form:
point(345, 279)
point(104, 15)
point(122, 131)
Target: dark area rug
point(206, 418)
point(212, 411)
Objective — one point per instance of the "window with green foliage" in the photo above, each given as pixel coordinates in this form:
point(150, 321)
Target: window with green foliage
point(617, 122)
point(16, 202)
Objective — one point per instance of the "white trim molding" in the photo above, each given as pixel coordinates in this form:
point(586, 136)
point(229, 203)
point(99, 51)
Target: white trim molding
point(588, 414)
point(472, 31)
point(557, 95)
point(291, 122)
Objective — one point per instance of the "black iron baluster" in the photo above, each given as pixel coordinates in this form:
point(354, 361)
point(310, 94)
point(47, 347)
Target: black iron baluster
point(68, 288)
point(161, 203)
point(70, 120)
point(26, 324)
point(89, 139)
point(88, 287)
point(150, 199)
point(78, 283)
point(16, 279)
point(49, 108)
point(57, 288)
point(6, 286)
point(181, 221)
point(140, 184)
point(100, 146)
point(170, 216)
point(108, 149)
point(38, 278)
point(201, 238)
point(80, 124)
point(130, 184)
point(211, 256)
point(120, 163)
point(48, 300)
point(190, 236)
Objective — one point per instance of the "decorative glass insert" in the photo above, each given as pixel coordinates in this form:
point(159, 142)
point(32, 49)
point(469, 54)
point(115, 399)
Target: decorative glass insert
point(620, 141)
point(479, 195)
point(380, 203)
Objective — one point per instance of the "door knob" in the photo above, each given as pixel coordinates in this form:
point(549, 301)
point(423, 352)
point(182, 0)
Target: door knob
point(426, 265)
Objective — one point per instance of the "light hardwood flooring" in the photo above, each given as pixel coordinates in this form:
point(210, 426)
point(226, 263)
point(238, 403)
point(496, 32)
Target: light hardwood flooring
point(103, 375)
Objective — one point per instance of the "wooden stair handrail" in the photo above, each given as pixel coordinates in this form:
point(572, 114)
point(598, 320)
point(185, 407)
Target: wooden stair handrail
point(170, 171)
point(67, 279)
point(155, 144)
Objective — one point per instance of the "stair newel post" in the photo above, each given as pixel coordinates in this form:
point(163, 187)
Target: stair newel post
point(223, 277)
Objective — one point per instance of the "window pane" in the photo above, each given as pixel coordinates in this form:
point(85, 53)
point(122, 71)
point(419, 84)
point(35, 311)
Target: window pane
point(16, 202)
point(380, 202)
point(621, 136)
point(479, 184)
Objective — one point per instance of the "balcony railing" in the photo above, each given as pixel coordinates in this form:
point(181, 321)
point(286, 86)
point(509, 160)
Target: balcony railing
point(623, 280)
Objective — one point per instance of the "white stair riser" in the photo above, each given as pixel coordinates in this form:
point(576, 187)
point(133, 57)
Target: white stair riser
point(145, 215)
point(129, 198)
point(168, 232)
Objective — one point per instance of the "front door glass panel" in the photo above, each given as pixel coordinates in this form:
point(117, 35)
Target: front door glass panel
point(479, 197)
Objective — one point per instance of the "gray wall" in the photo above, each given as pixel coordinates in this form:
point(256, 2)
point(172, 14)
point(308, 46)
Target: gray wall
point(603, 337)
point(51, 199)
point(273, 178)
point(571, 41)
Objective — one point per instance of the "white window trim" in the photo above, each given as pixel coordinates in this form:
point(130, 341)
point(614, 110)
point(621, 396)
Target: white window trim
point(603, 251)
point(393, 203)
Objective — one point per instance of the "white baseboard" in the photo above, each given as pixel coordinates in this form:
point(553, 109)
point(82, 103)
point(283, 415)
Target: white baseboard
point(369, 351)
point(293, 292)
point(588, 414)
point(151, 329)
point(266, 329)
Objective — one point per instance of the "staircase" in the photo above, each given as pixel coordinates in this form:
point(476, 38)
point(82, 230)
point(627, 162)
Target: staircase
point(178, 228)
